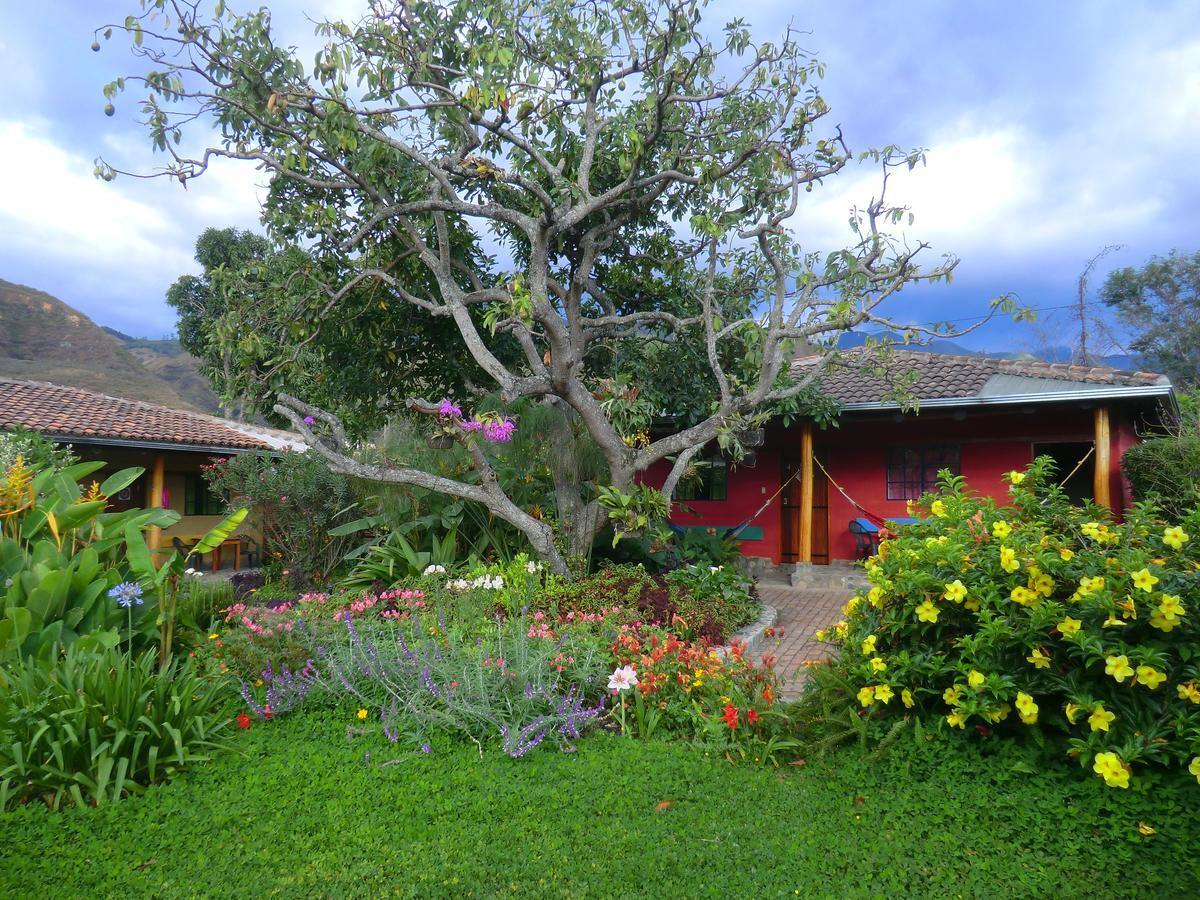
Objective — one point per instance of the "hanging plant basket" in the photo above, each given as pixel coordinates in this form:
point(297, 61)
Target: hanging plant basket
point(440, 441)
point(753, 437)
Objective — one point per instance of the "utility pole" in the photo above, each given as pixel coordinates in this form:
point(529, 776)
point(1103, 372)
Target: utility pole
point(1081, 356)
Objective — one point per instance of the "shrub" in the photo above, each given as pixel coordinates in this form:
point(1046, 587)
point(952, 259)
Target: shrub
point(1166, 471)
point(298, 500)
point(36, 451)
point(1038, 615)
point(91, 728)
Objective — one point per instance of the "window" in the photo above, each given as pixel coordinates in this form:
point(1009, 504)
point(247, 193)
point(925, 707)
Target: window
point(709, 483)
point(913, 471)
point(198, 500)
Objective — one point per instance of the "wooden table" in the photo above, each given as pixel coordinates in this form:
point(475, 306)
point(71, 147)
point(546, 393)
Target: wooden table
point(236, 543)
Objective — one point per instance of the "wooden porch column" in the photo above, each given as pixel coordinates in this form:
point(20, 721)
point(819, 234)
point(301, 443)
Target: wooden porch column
point(806, 492)
point(154, 537)
point(1102, 479)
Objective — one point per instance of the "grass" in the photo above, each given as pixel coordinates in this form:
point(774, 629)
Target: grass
point(308, 810)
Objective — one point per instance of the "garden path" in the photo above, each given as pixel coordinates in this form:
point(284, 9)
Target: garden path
point(802, 612)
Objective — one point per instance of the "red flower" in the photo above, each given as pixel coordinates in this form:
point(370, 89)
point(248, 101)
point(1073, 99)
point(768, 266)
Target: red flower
point(751, 716)
point(731, 716)
point(267, 712)
point(243, 721)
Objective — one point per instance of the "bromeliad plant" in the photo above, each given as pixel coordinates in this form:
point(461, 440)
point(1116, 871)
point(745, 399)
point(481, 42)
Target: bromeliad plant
point(1036, 616)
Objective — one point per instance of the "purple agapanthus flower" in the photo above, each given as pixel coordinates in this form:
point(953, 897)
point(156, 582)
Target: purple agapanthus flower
point(450, 409)
point(127, 593)
point(426, 748)
point(499, 432)
point(308, 420)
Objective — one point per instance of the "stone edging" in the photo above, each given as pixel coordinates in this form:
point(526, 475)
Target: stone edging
point(751, 636)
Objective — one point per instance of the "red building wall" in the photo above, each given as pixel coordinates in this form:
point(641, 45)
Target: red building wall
point(992, 442)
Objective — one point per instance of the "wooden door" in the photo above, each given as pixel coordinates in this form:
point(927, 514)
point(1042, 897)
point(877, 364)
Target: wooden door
point(790, 512)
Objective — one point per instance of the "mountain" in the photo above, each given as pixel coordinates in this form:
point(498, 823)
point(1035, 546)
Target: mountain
point(851, 339)
point(44, 339)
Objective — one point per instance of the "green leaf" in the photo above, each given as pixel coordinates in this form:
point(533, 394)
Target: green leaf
point(221, 532)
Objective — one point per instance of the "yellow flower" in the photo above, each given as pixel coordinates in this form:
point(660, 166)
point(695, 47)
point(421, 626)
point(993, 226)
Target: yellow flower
point(1171, 605)
point(1150, 676)
point(1144, 581)
point(1023, 595)
point(1090, 585)
point(1001, 529)
point(957, 719)
point(875, 596)
point(1091, 529)
point(1109, 767)
point(1194, 767)
point(1039, 659)
point(1118, 667)
point(971, 603)
point(1016, 477)
point(938, 508)
point(1175, 537)
point(1069, 626)
point(927, 612)
point(877, 664)
point(1112, 622)
point(725, 700)
point(1072, 712)
point(258, 682)
point(213, 636)
point(866, 695)
point(851, 605)
point(1145, 829)
point(868, 644)
point(1188, 692)
point(1027, 708)
point(883, 693)
point(1042, 584)
point(975, 679)
point(1008, 559)
point(1066, 554)
point(1163, 623)
point(821, 635)
point(906, 697)
point(1100, 718)
point(950, 694)
point(1128, 608)
point(956, 591)
point(362, 714)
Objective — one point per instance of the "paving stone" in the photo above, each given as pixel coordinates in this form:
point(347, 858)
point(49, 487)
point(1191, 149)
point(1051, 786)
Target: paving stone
point(802, 613)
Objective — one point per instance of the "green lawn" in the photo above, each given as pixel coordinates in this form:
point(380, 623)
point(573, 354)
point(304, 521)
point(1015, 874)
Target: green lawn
point(304, 811)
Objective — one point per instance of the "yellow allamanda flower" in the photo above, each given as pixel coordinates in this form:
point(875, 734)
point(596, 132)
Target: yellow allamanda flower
point(1066, 554)
point(1194, 767)
point(927, 612)
point(1016, 477)
point(1171, 605)
point(906, 697)
point(1100, 718)
point(1128, 608)
point(1068, 626)
point(975, 679)
point(1143, 580)
point(1110, 767)
point(1008, 559)
point(1023, 595)
point(1090, 585)
point(957, 720)
point(1039, 659)
point(868, 644)
point(851, 605)
point(883, 693)
point(1150, 677)
point(1072, 710)
point(866, 695)
point(971, 603)
point(956, 591)
point(1164, 623)
point(1118, 667)
point(1026, 708)
point(938, 508)
point(877, 664)
point(1042, 584)
point(1188, 691)
point(1113, 622)
point(950, 694)
point(875, 596)
point(1001, 529)
point(1175, 537)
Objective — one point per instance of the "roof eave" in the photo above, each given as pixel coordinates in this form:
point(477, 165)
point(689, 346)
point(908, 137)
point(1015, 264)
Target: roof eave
point(100, 440)
point(1099, 393)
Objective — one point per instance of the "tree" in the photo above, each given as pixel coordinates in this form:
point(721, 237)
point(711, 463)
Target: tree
point(207, 304)
point(637, 176)
point(1160, 302)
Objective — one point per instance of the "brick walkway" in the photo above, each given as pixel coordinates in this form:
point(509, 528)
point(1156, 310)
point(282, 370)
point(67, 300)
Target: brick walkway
point(802, 612)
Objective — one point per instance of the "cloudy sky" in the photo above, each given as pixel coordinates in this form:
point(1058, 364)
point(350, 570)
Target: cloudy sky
point(1053, 129)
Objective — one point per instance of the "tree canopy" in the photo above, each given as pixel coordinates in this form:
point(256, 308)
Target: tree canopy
point(633, 176)
point(1160, 302)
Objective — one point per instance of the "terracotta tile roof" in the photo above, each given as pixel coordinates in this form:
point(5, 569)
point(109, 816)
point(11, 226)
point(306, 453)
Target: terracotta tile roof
point(70, 412)
point(943, 376)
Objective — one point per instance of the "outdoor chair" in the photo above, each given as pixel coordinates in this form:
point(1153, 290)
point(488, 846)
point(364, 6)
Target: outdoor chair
point(190, 559)
point(866, 537)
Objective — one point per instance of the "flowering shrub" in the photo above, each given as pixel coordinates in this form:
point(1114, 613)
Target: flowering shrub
point(1036, 615)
